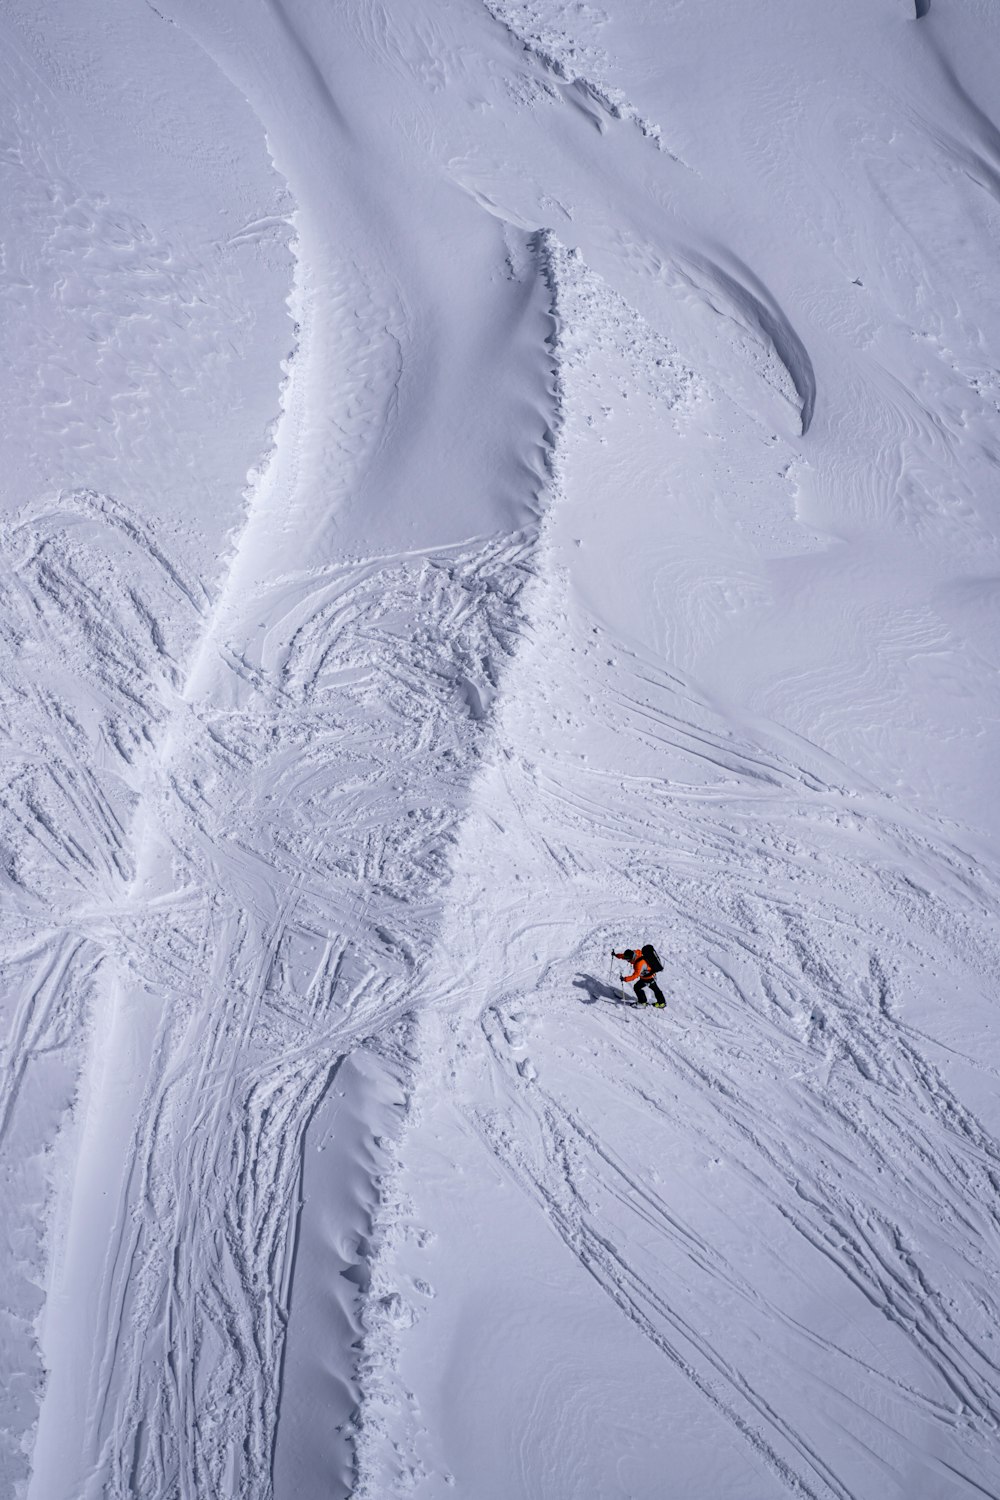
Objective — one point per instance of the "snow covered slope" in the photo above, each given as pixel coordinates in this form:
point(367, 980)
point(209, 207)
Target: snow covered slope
point(491, 481)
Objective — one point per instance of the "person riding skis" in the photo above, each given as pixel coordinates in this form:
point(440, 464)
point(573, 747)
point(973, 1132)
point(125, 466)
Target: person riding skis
point(643, 976)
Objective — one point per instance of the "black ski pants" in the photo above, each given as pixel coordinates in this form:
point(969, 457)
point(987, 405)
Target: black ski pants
point(641, 984)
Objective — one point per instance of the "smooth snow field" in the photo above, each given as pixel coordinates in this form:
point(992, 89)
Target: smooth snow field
point(486, 483)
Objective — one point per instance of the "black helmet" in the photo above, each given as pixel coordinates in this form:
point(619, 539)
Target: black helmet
point(630, 955)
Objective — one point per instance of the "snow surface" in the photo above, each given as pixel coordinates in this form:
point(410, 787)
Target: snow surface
point(487, 482)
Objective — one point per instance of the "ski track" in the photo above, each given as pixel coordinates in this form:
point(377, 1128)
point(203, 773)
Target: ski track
point(873, 1161)
point(195, 1293)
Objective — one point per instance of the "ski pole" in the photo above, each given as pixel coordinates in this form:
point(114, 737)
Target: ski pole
point(621, 987)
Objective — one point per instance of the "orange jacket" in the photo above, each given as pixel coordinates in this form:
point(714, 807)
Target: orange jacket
point(641, 967)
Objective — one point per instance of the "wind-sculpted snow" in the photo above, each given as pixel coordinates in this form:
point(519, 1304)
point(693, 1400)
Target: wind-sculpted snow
point(775, 1183)
point(133, 308)
point(491, 483)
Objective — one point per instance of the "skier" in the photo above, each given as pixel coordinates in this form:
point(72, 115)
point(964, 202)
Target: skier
point(646, 966)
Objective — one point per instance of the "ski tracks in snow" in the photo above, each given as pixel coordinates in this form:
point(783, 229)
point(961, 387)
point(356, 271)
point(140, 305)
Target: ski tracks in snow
point(95, 621)
point(307, 830)
point(773, 1179)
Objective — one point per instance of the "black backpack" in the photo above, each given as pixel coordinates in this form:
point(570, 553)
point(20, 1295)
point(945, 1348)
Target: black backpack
point(650, 955)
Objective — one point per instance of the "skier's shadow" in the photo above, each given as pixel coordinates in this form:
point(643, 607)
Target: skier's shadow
point(596, 989)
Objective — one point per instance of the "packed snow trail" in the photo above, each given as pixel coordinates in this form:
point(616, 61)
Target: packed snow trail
point(330, 792)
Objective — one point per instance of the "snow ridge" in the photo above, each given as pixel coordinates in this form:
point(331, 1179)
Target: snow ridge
point(390, 1436)
point(380, 1464)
